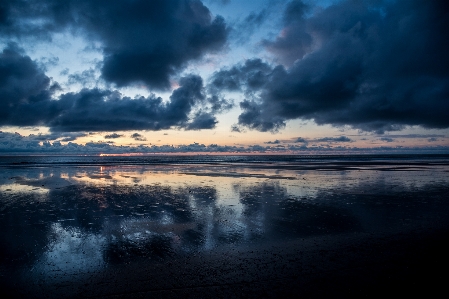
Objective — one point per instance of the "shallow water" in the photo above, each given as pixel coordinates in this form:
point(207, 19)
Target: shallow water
point(61, 220)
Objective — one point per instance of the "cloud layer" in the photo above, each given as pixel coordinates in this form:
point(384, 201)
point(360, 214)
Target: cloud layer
point(25, 90)
point(374, 65)
point(26, 99)
point(142, 41)
point(14, 142)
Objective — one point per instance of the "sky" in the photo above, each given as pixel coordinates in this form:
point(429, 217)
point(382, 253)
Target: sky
point(224, 76)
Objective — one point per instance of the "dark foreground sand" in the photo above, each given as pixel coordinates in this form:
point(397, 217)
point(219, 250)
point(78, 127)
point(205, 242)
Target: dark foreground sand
point(356, 264)
point(316, 268)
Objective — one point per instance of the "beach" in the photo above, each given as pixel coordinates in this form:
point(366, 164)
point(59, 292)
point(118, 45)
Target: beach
point(202, 227)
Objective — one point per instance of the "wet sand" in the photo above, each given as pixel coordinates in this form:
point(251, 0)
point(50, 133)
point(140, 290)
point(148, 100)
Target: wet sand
point(245, 231)
point(345, 265)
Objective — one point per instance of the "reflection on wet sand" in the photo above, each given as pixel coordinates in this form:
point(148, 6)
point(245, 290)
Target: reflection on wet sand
point(59, 223)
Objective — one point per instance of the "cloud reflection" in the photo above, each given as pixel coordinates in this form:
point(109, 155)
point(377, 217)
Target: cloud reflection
point(92, 217)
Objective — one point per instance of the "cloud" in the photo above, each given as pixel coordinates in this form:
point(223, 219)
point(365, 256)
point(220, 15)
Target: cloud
point(202, 120)
point(255, 19)
point(104, 110)
point(62, 136)
point(84, 78)
point(387, 139)
point(138, 137)
point(413, 136)
point(293, 42)
point(14, 142)
point(301, 140)
point(273, 142)
point(26, 99)
point(254, 117)
point(220, 104)
point(334, 139)
point(31, 141)
point(73, 136)
point(25, 90)
point(142, 41)
point(375, 66)
point(222, 2)
point(113, 136)
point(236, 128)
point(243, 29)
point(45, 62)
point(149, 41)
point(247, 77)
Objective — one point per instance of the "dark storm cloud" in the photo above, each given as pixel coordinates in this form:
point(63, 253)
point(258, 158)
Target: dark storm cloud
point(250, 76)
point(138, 137)
point(373, 65)
point(103, 110)
point(255, 117)
point(202, 120)
point(294, 42)
point(142, 41)
point(236, 128)
point(72, 136)
point(62, 136)
point(148, 41)
point(220, 104)
point(26, 99)
point(112, 136)
point(25, 90)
